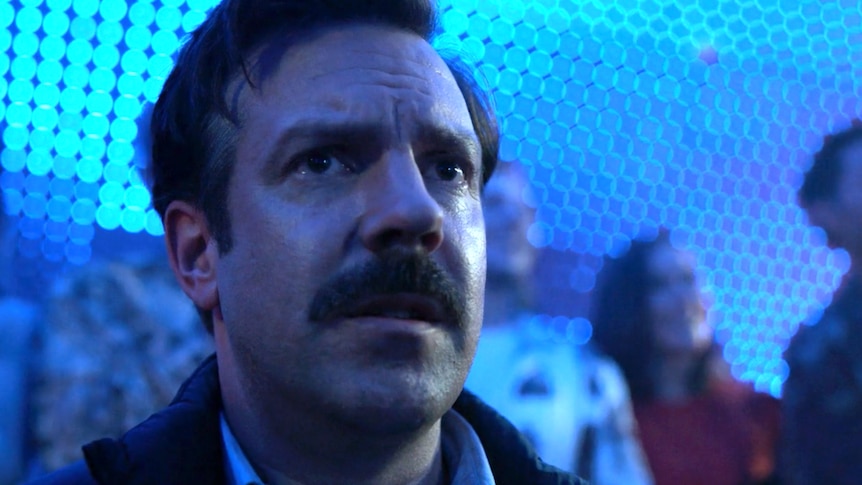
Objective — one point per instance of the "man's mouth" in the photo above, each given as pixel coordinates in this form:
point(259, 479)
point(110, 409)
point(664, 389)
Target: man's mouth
point(401, 306)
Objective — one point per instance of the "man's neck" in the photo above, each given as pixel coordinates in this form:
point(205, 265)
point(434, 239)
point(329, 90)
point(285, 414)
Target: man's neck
point(435, 476)
point(312, 451)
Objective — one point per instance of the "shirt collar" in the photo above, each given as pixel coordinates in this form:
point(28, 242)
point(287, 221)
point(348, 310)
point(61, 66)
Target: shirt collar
point(238, 468)
point(462, 451)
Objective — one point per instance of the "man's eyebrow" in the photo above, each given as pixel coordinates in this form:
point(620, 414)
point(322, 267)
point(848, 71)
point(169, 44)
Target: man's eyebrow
point(319, 132)
point(453, 137)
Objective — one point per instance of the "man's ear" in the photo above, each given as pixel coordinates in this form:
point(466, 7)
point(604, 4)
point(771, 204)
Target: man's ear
point(192, 252)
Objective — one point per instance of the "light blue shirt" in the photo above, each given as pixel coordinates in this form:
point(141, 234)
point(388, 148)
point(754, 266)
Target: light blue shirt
point(462, 452)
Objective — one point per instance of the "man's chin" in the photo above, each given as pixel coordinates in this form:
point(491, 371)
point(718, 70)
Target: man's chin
point(395, 411)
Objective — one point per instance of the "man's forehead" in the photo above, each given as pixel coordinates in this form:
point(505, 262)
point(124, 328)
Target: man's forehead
point(328, 50)
point(339, 59)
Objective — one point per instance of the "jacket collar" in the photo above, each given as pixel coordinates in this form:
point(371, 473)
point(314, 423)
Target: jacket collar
point(183, 443)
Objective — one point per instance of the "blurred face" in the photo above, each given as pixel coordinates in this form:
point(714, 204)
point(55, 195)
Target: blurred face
point(839, 216)
point(353, 289)
point(675, 307)
point(507, 219)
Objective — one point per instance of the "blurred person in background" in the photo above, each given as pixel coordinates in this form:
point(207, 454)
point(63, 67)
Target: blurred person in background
point(571, 403)
point(119, 339)
point(822, 397)
point(18, 320)
point(697, 424)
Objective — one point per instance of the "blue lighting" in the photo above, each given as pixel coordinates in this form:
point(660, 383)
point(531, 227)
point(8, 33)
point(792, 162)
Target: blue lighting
point(113, 10)
point(62, 187)
point(79, 52)
point(137, 197)
point(623, 117)
point(96, 124)
point(89, 170)
point(39, 162)
point(111, 193)
point(169, 18)
point(121, 151)
point(50, 72)
point(138, 38)
point(83, 28)
point(28, 19)
point(13, 159)
point(99, 102)
point(124, 130)
point(102, 79)
point(80, 232)
point(7, 14)
point(108, 215)
point(135, 61)
point(193, 19)
point(67, 143)
point(130, 84)
point(34, 206)
point(18, 114)
point(160, 66)
point(42, 138)
point(83, 211)
point(154, 223)
point(56, 231)
point(133, 219)
point(93, 147)
point(142, 14)
point(165, 42)
point(106, 56)
point(59, 208)
point(56, 23)
point(127, 107)
point(52, 48)
point(110, 33)
point(118, 174)
point(85, 8)
point(78, 253)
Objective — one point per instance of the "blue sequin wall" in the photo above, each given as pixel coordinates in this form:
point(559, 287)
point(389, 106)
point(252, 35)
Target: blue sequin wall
point(699, 116)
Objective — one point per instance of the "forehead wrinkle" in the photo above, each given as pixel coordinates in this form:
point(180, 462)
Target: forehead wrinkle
point(389, 80)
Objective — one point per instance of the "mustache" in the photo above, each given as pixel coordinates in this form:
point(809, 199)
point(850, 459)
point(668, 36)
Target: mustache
point(393, 272)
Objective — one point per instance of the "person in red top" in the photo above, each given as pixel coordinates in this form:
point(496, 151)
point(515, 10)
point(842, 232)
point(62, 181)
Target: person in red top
point(698, 425)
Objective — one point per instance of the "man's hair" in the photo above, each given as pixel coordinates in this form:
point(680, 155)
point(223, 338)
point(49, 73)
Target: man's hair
point(193, 126)
point(622, 327)
point(821, 180)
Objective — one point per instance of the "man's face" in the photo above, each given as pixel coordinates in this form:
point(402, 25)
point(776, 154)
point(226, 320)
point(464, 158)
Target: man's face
point(840, 215)
point(354, 285)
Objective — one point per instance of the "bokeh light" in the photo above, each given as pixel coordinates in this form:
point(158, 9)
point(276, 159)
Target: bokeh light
point(627, 115)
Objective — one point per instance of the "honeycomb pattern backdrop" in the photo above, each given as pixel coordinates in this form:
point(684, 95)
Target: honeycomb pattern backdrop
point(699, 116)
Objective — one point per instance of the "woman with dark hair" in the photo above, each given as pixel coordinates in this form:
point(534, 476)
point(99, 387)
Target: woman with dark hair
point(697, 424)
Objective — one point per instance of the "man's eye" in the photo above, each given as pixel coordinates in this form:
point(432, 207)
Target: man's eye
point(316, 163)
point(449, 171)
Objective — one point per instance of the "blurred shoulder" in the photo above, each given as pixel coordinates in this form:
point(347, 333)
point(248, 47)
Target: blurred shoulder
point(75, 474)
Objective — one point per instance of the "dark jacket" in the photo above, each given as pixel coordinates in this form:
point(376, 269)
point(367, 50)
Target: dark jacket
point(182, 444)
point(822, 397)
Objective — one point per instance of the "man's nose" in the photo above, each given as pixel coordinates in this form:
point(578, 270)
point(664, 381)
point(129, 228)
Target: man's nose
point(399, 210)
